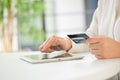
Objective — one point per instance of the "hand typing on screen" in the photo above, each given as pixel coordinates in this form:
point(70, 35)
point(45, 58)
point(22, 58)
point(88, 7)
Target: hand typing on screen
point(104, 47)
point(55, 43)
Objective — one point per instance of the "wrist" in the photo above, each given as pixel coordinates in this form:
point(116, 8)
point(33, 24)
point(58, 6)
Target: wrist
point(68, 44)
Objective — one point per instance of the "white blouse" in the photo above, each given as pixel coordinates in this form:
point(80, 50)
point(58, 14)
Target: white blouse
point(106, 21)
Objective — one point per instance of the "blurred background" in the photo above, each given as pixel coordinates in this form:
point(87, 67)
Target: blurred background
point(25, 24)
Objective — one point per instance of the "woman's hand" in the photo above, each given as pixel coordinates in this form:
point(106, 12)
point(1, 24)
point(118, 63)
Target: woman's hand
point(55, 43)
point(104, 47)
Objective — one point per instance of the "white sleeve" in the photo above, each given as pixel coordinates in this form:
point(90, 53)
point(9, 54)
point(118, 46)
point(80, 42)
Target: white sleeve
point(77, 48)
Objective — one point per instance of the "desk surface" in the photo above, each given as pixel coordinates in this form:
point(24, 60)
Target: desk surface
point(89, 68)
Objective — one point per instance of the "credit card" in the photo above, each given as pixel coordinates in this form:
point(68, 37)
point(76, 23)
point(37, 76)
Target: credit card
point(78, 38)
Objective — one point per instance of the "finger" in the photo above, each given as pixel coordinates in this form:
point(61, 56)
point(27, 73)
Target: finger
point(99, 57)
point(42, 45)
point(57, 48)
point(48, 43)
point(94, 46)
point(55, 42)
point(95, 51)
point(98, 52)
point(58, 44)
point(92, 40)
point(48, 50)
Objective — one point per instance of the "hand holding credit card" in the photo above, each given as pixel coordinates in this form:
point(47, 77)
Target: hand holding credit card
point(78, 38)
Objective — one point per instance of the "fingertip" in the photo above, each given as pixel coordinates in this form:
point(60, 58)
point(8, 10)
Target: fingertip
point(42, 50)
point(40, 47)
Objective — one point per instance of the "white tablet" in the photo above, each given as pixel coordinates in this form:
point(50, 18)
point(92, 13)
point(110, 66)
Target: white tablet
point(56, 56)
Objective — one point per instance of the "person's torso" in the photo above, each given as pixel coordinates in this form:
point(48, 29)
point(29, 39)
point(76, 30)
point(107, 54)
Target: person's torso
point(109, 19)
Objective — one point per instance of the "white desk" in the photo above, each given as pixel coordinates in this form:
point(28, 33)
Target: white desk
point(12, 68)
